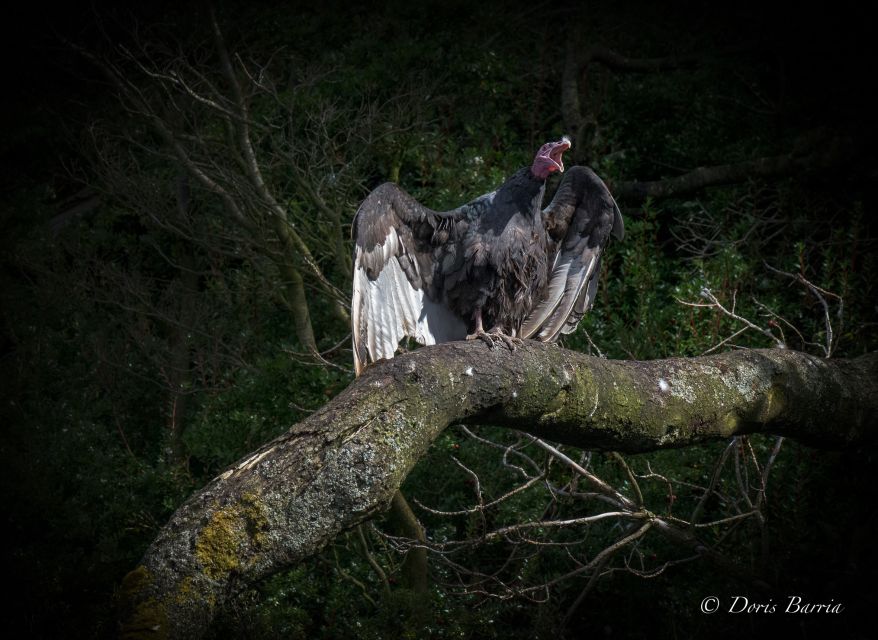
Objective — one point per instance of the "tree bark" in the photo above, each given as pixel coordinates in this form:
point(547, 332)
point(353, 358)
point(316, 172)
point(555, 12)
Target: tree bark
point(345, 462)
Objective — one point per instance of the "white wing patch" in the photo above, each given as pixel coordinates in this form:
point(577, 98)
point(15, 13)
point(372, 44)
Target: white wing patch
point(389, 308)
point(585, 301)
point(557, 283)
point(565, 289)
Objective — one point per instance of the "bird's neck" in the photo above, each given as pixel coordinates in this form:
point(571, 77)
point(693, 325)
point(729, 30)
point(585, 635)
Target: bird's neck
point(526, 191)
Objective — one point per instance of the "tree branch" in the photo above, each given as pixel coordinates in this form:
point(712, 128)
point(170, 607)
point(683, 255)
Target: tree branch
point(344, 463)
point(618, 62)
point(637, 191)
point(810, 155)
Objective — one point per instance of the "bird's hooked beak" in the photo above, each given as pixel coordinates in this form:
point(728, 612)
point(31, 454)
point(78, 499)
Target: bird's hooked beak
point(557, 151)
point(549, 158)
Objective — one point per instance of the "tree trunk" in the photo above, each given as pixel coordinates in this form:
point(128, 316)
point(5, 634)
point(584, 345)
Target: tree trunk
point(179, 371)
point(179, 366)
point(344, 463)
point(415, 568)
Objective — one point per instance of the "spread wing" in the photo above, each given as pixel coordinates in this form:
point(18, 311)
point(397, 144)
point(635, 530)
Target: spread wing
point(580, 220)
point(397, 243)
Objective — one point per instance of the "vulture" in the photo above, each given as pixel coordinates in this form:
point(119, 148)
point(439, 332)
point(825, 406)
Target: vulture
point(500, 268)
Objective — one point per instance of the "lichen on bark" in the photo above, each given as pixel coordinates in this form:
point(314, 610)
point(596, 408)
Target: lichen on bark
point(220, 544)
point(146, 617)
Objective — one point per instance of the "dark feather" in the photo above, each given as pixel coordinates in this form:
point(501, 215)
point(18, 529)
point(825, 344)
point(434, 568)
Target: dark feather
point(581, 218)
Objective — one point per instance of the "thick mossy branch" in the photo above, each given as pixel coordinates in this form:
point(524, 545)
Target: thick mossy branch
point(344, 463)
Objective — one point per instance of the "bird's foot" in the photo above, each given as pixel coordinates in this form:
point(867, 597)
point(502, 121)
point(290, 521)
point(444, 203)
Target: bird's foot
point(494, 337)
point(488, 338)
point(510, 341)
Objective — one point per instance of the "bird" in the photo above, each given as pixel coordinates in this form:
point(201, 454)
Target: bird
point(501, 261)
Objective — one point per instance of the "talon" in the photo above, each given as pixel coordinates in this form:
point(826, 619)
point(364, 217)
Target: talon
point(510, 341)
point(485, 337)
point(507, 340)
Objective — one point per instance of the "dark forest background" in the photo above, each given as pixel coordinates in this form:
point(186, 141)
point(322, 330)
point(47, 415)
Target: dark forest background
point(149, 337)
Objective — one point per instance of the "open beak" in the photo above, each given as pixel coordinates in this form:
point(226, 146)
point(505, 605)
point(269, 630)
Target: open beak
point(555, 155)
